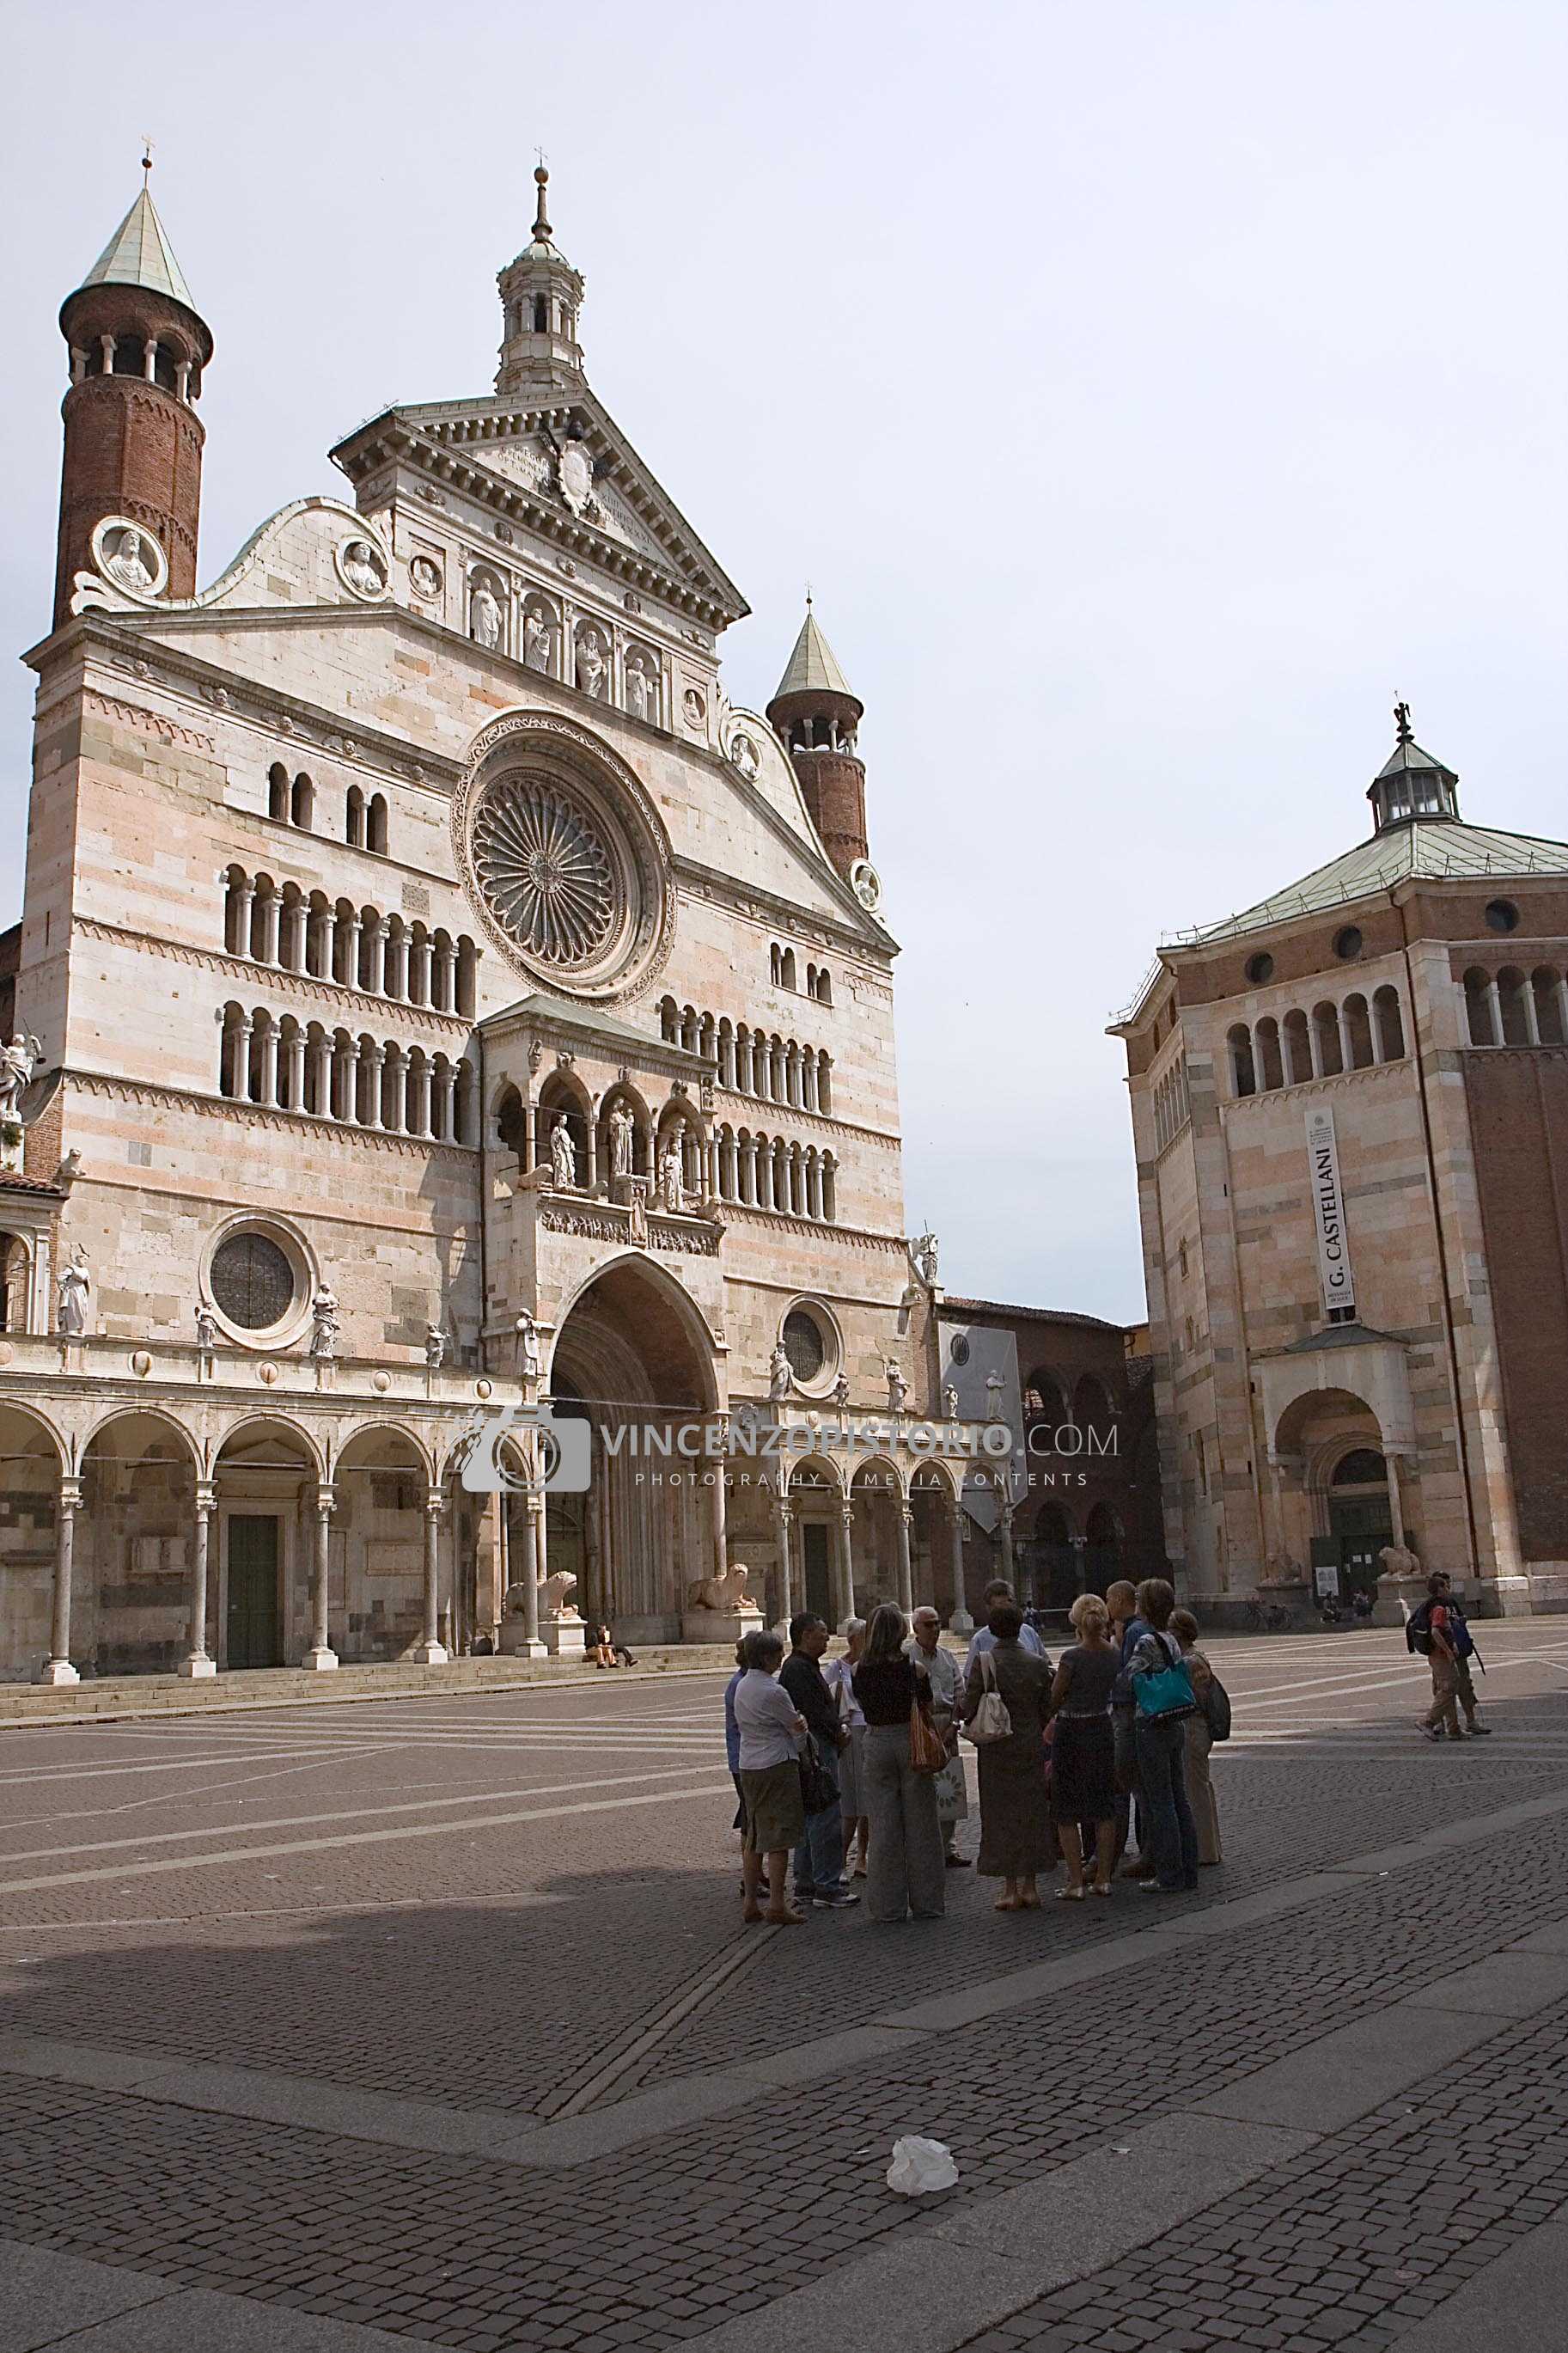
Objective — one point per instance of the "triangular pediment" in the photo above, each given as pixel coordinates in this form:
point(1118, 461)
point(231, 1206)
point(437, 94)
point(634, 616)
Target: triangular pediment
point(562, 465)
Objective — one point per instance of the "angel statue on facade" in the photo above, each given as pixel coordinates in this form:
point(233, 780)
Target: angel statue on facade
point(17, 1062)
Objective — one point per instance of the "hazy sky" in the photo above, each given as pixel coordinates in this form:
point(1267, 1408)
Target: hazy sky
point(1149, 392)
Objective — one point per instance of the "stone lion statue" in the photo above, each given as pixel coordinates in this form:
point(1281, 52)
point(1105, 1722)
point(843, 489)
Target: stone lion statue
point(726, 1593)
point(553, 1594)
point(1398, 1560)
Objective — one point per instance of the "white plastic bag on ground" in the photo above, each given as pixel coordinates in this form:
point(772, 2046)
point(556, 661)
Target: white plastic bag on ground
point(921, 2166)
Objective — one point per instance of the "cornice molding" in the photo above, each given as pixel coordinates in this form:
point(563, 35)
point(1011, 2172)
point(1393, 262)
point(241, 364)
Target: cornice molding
point(758, 1108)
point(301, 985)
point(741, 1213)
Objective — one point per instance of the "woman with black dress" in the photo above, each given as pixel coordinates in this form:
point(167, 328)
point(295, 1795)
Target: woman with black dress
point(905, 1868)
point(1083, 1748)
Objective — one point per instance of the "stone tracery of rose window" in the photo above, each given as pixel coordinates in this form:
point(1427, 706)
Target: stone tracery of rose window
point(548, 876)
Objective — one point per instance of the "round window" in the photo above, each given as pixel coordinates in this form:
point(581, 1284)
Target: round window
point(958, 1352)
point(252, 1281)
point(803, 1345)
point(1502, 915)
point(1348, 944)
point(1259, 968)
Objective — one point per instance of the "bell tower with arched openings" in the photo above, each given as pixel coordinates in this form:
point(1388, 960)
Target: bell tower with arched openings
point(541, 297)
point(132, 437)
point(816, 717)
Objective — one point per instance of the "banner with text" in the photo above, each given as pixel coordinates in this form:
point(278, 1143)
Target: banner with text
point(1329, 1211)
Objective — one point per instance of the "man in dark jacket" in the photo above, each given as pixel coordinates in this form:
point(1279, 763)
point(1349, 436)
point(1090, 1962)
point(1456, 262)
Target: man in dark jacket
point(819, 1857)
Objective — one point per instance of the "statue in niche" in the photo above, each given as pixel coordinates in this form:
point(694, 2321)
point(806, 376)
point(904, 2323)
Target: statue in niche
point(562, 1155)
point(435, 1346)
point(640, 690)
point(325, 1329)
point(637, 1187)
point(206, 1328)
point(746, 757)
point(425, 578)
point(781, 1373)
point(995, 1385)
point(898, 1387)
point(128, 566)
point(623, 1130)
point(527, 1348)
point(537, 636)
point(73, 1287)
point(361, 568)
point(671, 1171)
point(484, 618)
point(18, 1061)
point(591, 663)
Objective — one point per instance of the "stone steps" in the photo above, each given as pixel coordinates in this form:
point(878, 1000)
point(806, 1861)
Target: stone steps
point(107, 1697)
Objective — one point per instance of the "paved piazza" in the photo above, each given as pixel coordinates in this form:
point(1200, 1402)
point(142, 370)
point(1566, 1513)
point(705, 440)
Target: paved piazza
point(349, 2026)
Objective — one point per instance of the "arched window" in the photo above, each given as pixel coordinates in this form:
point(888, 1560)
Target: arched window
point(375, 824)
point(1511, 987)
point(302, 801)
point(1362, 1467)
point(1243, 1076)
point(824, 986)
point(775, 964)
point(1358, 1028)
point(1389, 1023)
point(786, 969)
point(1297, 1047)
point(1266, 1051)
point(540, 315)
point(278, 792)
point(1331, 1045)
point(1550, 1006)
point(1043, 1397)
point(353, 817)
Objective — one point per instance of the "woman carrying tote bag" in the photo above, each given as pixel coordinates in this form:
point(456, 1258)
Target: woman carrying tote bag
point(905, 1871)
point(1006, 1701)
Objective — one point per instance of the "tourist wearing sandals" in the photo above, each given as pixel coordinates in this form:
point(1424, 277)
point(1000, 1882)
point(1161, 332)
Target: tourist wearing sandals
point(771, 1737)
point(1083, 1748)
point(1016, 1840)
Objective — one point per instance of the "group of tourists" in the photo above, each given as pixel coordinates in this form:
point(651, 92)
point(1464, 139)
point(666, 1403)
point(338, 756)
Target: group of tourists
point(850, 1770)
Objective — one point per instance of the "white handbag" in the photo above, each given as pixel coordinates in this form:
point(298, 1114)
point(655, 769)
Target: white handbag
point(990, 1720)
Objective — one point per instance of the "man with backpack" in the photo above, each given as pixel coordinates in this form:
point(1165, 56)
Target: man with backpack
point(1437, 1630)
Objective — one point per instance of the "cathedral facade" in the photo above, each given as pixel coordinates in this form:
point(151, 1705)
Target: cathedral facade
point(437, 1008)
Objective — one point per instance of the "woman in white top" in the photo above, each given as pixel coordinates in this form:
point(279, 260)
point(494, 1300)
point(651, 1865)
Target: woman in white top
point(771, 1737)
point(838, 1674)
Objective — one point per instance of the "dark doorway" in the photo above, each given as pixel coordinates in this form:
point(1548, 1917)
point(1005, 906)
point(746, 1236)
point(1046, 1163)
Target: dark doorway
point(814, 1551)
point(1361, 1529)
point(253, 1591)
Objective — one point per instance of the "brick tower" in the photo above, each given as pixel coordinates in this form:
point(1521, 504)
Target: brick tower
point(132, 439)
point(816, 717)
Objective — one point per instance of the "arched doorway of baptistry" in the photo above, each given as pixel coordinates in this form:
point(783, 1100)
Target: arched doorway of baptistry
point(633, 1360)
point(1336, 1491)
point(375, 1600)
point(135, 1532)
point(267, 1480)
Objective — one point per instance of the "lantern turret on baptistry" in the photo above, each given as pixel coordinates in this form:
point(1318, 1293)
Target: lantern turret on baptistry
point(132, 437)
point(816, 717)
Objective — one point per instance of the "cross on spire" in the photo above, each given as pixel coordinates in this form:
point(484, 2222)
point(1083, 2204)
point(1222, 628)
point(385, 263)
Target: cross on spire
point(146, 155)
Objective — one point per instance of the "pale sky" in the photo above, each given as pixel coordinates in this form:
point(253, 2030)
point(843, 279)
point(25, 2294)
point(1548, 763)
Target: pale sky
point(1150, 393)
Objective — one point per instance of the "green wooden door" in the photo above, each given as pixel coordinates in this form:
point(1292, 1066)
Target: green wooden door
point(814, 1551)
point(253, 1631)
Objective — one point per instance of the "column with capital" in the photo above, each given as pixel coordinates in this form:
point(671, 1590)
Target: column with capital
point(321, 1657)
point(57, 1667)
point(783, 1516)
point(844, 1568)
point(430, 1650)
point(1004, 1533)
point(535, 1568)
point(720, 1541)
point(196, 1664)
point(906, 1571)
point(959, 1620)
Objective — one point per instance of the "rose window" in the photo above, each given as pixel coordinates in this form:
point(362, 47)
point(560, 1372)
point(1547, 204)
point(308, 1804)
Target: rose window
point(546, 874)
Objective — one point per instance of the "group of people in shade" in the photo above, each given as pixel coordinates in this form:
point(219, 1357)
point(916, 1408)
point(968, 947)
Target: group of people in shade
point(850, 1768)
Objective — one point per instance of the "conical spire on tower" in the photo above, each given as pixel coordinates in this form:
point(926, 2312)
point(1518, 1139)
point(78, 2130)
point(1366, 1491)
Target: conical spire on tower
point(817, 716)
point(133, 441)
point(541, 296)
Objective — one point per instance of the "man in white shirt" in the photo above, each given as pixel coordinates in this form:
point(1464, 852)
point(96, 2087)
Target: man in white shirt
point(984, 1640)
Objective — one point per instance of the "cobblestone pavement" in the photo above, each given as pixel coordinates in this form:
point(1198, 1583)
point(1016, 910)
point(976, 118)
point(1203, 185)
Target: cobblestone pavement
point(525, 1906)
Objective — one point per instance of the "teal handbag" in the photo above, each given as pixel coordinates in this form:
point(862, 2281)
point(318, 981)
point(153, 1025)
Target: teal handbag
point(1166, 1693)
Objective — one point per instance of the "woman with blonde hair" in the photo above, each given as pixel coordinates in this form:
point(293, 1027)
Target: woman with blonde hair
point(1083, 1747)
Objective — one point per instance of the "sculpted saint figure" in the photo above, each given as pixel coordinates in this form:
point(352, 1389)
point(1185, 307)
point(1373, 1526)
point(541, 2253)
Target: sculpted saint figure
point(206, 1327)
point(781, 1376)
point(623, 1129)
point(639, 695)
point(360, 569)
point(435, 1346)
point(484, 619)
point(527, 1348)
point(671, 1182)
point(536, 640)
point(898, 1387)
point(563, 1156)
point(74, 1286)
point(17, 1063)
point(325, 1329)
point(591, 662)
point(949, 1402)
point(129, 564)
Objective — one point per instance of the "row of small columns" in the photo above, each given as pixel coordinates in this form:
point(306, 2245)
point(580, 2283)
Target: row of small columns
point(1491, 996)
point(110, 344)
point(841, 1571)
point(197, 1664)
point(411, 971)
point(424, 1099)
point(776, 1177)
